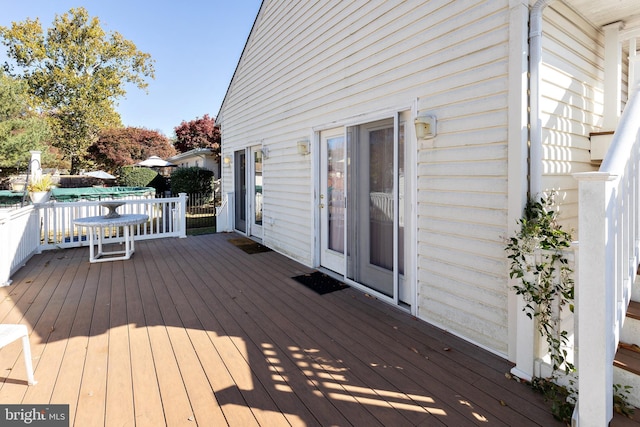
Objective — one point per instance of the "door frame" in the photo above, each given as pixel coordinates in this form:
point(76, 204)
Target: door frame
point(331, 259)
point(240, 195)
point(410, 215)
point(253, 229)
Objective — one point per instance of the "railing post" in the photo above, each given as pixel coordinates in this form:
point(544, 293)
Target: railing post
point(595, 299)
point(183, 214)
point(224, 222)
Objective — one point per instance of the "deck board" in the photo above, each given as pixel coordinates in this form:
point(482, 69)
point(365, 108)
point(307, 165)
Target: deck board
point(368, 341)
point(314, 337)
point(196, 332)
point(119, 409)
point(237, 365)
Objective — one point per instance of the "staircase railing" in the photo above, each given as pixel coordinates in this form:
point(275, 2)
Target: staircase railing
point(608, 250)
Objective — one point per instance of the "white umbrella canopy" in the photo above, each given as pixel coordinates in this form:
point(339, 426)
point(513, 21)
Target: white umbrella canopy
point(100, 174)
point(155, 162)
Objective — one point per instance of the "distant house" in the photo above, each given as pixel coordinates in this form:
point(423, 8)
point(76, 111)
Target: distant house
point(200, 157)
point(395, 143)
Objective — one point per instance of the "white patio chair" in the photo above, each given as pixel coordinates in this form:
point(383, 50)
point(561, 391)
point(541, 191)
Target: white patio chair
point(10, 333)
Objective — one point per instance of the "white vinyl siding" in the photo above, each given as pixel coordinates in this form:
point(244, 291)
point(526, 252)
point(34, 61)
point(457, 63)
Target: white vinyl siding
point(462, 181)
point(572, 102)
point(312, 65)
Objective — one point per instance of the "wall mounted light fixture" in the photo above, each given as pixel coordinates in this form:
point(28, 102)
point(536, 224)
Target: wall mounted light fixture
point(226, 160)
point(425, 126)
point(303, 147)
point(265, 152)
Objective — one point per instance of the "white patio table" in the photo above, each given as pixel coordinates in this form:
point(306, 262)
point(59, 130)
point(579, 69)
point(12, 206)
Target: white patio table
point(96, 224)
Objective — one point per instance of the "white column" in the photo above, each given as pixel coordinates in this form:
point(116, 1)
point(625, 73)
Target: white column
point(594, 302)
point(183, 214)
point(612, 75)
point(35, 166)
point(521, 328)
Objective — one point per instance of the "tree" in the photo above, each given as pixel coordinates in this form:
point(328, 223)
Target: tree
point(21, 130)
point(75, 73)
point(198, 133)
point(193, 179)
point(117, 147)
point(134, 176)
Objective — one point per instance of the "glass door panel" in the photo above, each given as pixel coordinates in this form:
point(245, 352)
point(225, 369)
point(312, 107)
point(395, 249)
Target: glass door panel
point(256, 192)
point(335, 194)
point(332, 200)
point(372, 206)
point(240, 190)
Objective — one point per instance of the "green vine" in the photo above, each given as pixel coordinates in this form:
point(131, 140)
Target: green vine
point(545, 280)
point(546, 285)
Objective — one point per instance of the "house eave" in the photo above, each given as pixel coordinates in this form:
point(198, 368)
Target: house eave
point(194, 152)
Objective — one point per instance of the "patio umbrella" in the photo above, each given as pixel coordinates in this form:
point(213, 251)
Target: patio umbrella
point(100, 174)
point(155, 162)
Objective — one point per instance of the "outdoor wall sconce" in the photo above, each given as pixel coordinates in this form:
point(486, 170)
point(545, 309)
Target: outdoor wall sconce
point(265, 152)
point(425, 126)
point(303, 147)
point(226, 160)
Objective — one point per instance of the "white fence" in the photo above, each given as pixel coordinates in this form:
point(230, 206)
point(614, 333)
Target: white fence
point(19, 236)
point(32, 229)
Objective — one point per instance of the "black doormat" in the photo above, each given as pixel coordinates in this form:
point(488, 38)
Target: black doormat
point(320, 282)
point(248, 245)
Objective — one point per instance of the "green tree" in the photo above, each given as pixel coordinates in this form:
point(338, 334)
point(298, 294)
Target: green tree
point(75, 73)
point(192, 180)
point(135, 176)
point(20, 129)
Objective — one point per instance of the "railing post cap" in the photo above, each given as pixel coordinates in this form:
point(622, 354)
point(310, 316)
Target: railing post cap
point(595, 176)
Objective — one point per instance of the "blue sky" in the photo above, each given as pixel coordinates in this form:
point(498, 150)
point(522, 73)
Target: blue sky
point(196, 45)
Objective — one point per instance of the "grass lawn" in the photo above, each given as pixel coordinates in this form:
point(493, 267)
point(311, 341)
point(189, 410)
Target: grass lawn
point(199, 231)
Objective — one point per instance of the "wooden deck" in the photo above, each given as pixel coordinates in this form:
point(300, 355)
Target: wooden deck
point(197, 332)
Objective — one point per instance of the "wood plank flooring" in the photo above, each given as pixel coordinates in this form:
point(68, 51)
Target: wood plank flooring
point(195, 332)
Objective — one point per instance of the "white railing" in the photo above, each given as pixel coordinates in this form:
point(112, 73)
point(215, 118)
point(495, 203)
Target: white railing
point(381, 206)
point(167, 218)
point(608, 252)
point(31, 229)
point(19, 238)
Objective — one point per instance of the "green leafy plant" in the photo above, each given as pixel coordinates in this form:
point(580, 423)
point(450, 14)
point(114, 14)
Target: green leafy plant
point(545, 278)
point(621, 400)
point(546, 285)
point(561, 398)
point(192, 180)
point(44, 183)
point(133, 176)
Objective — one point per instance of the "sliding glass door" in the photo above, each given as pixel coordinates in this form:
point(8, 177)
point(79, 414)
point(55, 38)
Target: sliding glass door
point(362, 205)
point(372, 209)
